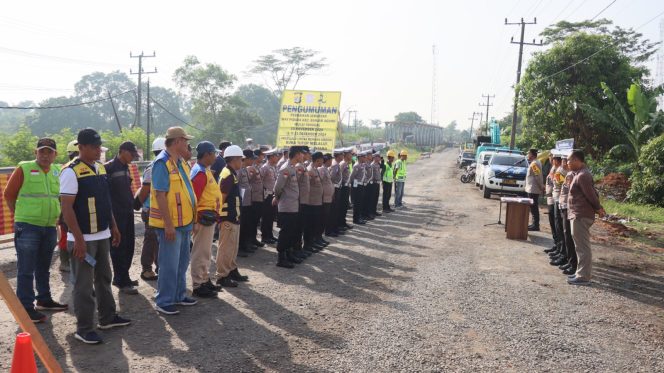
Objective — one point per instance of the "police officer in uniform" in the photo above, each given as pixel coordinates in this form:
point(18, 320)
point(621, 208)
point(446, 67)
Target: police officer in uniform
point(388, 180)
point(357, 183)
point(246, 242)
point(312, 242)
point(334, 170)
point(268, 173)
point(286, 198)
point(344, 190)
point(257, 196)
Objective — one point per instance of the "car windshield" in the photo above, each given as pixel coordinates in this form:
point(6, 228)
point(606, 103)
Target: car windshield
point(468, 155)
point(487, 156)
point(506, 160)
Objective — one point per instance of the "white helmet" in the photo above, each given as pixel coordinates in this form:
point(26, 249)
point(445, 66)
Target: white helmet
point(233, 151)
point(159, 144)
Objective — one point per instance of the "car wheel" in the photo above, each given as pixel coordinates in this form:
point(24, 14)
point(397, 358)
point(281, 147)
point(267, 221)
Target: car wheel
point(487, 193)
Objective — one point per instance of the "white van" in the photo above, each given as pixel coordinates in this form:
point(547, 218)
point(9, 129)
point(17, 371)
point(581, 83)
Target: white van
point(483, 157)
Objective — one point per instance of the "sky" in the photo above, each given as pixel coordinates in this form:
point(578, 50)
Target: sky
point(379, 52)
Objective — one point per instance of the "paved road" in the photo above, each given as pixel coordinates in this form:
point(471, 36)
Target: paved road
point(428, 288)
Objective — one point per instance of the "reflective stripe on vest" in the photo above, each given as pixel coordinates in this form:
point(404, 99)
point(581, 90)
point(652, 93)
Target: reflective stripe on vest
point(180, 205)
point(388, 175)
point(37, 201)
point(210, 199)
point(401, 170)
point(92, 204)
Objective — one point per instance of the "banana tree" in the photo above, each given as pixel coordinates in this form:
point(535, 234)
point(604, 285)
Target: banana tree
point(637, 124)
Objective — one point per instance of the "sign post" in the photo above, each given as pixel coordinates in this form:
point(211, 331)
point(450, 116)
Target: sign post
point(309, 118)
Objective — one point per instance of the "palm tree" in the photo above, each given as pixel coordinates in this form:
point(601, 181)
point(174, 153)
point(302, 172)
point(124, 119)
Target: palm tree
point(638, 125)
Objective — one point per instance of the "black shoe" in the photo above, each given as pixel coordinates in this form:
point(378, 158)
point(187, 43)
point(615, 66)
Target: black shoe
point(236, 276)
point(310, 249)
point(133, 282)
point(269, 241)
point(117, 321)
point(387, 211)
point(291, 257)
point(359, 222)
point(378, 214)
point(211, 286)
point(550, 250)
point(533, 228)
point(318, 246)
point(36, 316)
point(324, 241)
point(50, 305)
point(569, 271)
point(258, 243)
point(283, 261)
point(558, 262)
point(204, 292)
point(332, 234)
point(227, 282)
point(242, 253)
point(564, 266)
point(348, 227)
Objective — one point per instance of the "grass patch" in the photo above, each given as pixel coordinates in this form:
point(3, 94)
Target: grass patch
point(643, 213)
point(649, 223)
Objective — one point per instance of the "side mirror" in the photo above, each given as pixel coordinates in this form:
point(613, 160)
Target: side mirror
point(486, 163)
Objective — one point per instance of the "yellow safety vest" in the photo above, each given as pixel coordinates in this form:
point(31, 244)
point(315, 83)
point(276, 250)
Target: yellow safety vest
point(180, 205)
point(211, 197)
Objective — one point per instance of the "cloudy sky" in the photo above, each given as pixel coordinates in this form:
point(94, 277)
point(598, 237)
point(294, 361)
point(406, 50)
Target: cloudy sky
point(379, 52)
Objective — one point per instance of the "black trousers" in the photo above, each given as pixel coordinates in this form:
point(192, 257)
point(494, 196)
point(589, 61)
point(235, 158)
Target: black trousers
point(267, 218)
point(150, 251)
point(122, 255)
point(534, 208)
point(288, 235)
point(358, 207)
point(246, 221)
point(324, 219)
point(569, 242)
point(375, 196)
point(257, 212)
point(560, 232)
point(552, 223)
point(343, 206)
point(312, 222)
point(301, 222)
point(332, 217)
point(387, 194)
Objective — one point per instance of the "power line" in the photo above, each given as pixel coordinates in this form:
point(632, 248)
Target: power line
point(602, 11)
point(562, 11)
point(488, 105)
point(140, 73)
point(67, 105)
point(18, 52)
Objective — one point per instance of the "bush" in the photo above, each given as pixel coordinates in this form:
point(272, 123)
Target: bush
point(647, 184)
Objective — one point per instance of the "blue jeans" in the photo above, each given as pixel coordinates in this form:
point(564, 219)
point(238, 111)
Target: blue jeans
point(173, 262)
point(34, 251)
point(398, 193)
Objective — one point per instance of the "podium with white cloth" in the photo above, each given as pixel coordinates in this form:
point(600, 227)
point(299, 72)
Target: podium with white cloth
point(516, 217)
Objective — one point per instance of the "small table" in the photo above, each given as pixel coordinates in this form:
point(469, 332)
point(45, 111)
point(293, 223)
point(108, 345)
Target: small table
point(516, 217)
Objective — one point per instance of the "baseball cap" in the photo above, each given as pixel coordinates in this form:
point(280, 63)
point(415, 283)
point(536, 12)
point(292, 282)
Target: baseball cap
point(206, 147)
point(88, 136)
point(46, 142)
point(249, 154)
point(176, 133)
point(130, 147)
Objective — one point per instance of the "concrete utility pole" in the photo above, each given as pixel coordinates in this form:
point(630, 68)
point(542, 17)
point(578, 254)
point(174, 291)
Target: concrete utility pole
point(350, 114)
point(140, 73)
point(472, 123)
point(148, 148)
point(518, 71)
point(488, 105)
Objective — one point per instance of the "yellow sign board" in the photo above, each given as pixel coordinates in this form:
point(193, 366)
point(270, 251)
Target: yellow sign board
point(309, 118)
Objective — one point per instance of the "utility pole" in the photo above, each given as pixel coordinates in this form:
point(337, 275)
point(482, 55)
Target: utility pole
point(140, 73)
point(488, 105)
point(472, 123)
point(350, 114)
point(148, 148)
point(518, 71)
point(115, 113)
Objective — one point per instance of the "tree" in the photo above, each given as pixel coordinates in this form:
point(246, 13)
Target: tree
point(637, 125)
point(209, 88)
point(376, 123)
point(19, 147)
point(629, 42)
point(553, 93)
point(284, 68)
point(262, 102)
point(170, 100)
point(97, 86)
point(409, 117)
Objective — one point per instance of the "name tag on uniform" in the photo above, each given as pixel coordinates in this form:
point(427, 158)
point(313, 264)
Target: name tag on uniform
point(355, 183)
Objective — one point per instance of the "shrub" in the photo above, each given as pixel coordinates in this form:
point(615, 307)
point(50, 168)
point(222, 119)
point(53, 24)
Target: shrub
point(647, 184)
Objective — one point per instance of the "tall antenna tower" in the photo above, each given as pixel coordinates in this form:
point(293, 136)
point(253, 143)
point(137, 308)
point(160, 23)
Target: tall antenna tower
point(659, 77)
point(434, 113)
